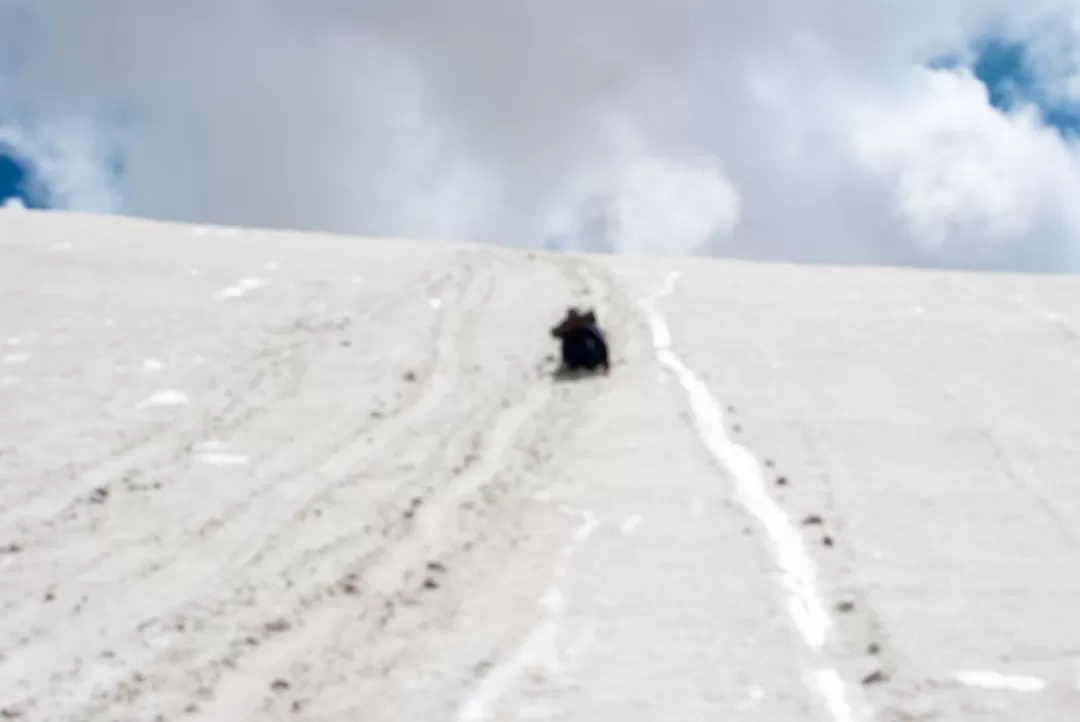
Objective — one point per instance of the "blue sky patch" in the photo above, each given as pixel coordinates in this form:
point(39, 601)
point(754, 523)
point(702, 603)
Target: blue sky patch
point(16, 181)
point(1006, 70)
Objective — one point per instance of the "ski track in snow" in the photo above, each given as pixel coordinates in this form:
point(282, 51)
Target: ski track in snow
point(542, 641)
point(805, 605)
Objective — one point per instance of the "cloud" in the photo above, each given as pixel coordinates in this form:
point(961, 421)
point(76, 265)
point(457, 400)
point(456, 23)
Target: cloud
point(971, 183)
point(767, 130)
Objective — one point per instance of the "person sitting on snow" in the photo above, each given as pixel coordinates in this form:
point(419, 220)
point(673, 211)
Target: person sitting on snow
point(583, 343)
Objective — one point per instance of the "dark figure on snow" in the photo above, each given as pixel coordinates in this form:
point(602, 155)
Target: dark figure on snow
point(583, 343)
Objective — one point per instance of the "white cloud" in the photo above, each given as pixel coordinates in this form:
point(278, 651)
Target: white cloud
point(493, 120)
point(663, 206)
point(967, 179)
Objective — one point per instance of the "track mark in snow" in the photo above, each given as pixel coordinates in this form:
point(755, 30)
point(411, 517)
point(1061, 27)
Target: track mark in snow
point(985, 679)
point(243, 286)
point(169, 397)
point(805, 605)
point(541, 647)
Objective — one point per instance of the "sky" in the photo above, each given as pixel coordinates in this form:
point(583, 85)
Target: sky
point(940, 134)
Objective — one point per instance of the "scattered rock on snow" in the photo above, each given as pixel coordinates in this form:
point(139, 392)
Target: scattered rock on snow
point(875, 677)
point(813, 520)
point(845, 607)
point(279, 685)
point(278, 625)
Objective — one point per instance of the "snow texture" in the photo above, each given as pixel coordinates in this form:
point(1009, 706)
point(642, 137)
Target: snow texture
point(360, 492)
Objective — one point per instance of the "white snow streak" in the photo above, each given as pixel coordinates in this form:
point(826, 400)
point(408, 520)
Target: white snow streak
point(242, 287)
point(986, 679)
point(169, 397)
point(798, 570)
point(542, 641)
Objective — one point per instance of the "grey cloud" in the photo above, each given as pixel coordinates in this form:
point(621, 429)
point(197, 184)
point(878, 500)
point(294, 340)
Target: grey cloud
point(492, 119)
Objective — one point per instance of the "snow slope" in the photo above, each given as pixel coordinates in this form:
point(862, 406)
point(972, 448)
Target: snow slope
point(253, 475)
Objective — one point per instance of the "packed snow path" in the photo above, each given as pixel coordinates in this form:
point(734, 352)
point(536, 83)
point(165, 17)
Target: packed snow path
point(248, 475)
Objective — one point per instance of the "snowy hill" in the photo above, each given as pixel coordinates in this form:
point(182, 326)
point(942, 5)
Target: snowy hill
point(254, 475)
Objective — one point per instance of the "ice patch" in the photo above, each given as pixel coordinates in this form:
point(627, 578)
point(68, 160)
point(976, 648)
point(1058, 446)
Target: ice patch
point(435, 303)
point(153, 364)
point(14, 359)
point(110, 323)
point(242, 287)
point(986, 679)
point(9, 380)
point(270, 267)
point(14, 341)
point(62, 246)
point(630, 524)
point(169, 397)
